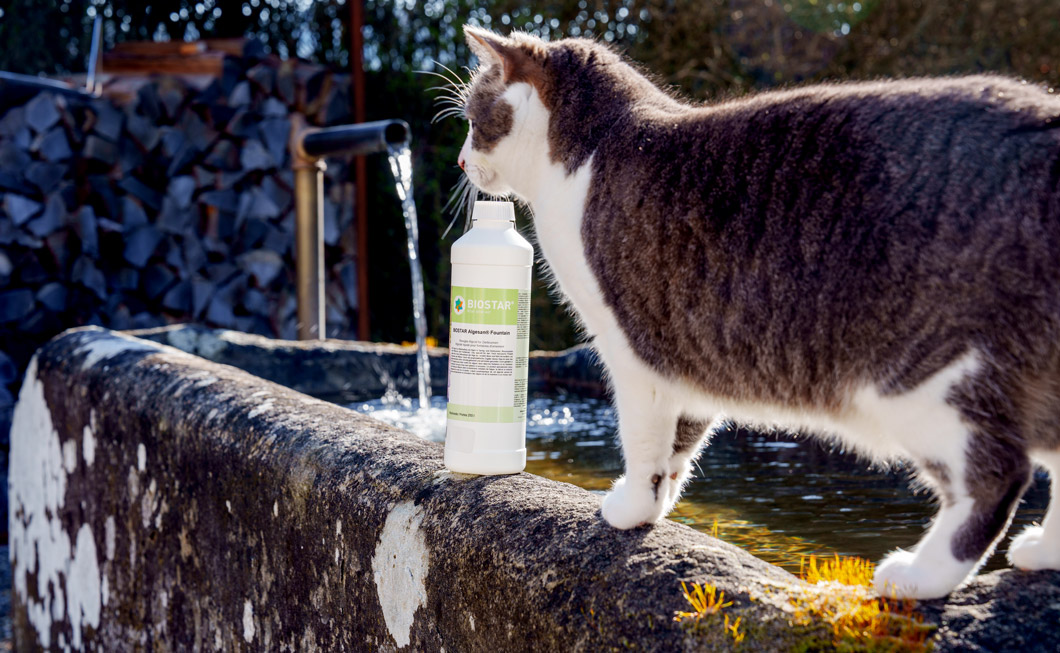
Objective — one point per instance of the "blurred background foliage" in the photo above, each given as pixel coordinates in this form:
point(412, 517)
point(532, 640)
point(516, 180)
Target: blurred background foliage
point(705, 49)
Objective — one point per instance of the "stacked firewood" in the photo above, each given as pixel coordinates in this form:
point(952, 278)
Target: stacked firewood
point(169, 199)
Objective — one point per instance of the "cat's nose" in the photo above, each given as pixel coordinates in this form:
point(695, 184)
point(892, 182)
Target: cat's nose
point(460, 161)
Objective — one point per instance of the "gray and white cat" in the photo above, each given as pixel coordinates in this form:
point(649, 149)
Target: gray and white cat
point(877, 263)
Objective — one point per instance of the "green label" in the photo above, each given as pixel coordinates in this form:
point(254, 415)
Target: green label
point(491, 414)
point(484, 305)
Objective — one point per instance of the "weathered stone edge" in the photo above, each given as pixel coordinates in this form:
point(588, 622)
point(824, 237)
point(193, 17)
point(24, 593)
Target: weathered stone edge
point(249, 481)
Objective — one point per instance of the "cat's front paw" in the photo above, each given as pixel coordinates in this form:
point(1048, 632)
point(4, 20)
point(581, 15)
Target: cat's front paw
point(1030, 550)
point(629, 505)
point(901, 575)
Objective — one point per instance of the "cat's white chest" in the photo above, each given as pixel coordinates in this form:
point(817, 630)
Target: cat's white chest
point(559, 208)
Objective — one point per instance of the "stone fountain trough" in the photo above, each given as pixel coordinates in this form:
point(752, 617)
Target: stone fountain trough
point(179, 489)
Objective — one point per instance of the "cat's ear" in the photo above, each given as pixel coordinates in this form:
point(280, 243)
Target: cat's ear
point(514, 57)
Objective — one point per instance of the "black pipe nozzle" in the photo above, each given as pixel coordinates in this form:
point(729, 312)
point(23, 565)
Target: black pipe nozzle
point(358, 140)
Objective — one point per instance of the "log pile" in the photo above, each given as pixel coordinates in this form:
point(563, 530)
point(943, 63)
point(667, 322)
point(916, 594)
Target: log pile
point(169, 200)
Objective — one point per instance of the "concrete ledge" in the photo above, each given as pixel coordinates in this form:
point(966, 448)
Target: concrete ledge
point(330, 368)
point(163, 502)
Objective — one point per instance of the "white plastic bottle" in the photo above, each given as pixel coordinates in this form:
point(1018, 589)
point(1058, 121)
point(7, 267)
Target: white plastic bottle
point(489, 340)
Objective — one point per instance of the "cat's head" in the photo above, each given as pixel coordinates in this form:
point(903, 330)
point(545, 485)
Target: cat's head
point(532, 104)
point(505, 109)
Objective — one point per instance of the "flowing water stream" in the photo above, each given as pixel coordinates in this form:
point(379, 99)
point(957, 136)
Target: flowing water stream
point(401, 165)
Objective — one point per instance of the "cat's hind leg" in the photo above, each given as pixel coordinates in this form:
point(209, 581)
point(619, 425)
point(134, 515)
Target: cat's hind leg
point(977, 503)
point(1038, 547)
point(647, 426)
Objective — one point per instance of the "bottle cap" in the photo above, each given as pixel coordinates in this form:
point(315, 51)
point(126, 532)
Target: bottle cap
point(490, 211)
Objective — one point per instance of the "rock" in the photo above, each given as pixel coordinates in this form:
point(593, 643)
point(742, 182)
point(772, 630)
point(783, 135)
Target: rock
point(141, 191)
point(244, 124)
point(13, 159)
point(220, 312)
point(157, 279)
point(332, 233)
point(86, 222)
point(348, 277)
point(144, 131)
point(8, 370)
point(201, 293)
point(103, 191)
point(254, 203)
point(264, 77)
point(99, 149)
point(285, 84)
point(174, 220)
point(29, 270)
point(109, 120)
point(86, 274)
point(172, 94)
point(231, 74)
point(194, 254)
point(45, 176)
point(178, 298)
point(255, 157)
point(223, 156)
point(221, 273)
point(336, 110)
point(279, 195)
point(175, 257)
point(132, 213)
point(230, 179)
point(15, 304)
point(110, 226)
point(181, 190)
point(183, 160)
point(13, 121)
point(20, 209)
point(255, 302)
point(276, 241)
point(240, 96)
point(276, 133)
point(220, 114)
point(6, 267)
point(52, 145)
point(254, 232)
point(129, 156)
point(149, 103)
point(198, 133)
point(273, 108)
point(128, 279)
point(173, 141)
point(52, 296)
point(41, 113)
point(12, 182)
point(264, 266)
point(224, 200)
point(141, 245)
point(51, 220)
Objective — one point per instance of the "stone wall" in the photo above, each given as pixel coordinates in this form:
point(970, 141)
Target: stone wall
point(167, 200)
point(163, 502)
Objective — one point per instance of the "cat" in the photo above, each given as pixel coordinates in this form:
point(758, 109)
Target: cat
point(875, 262)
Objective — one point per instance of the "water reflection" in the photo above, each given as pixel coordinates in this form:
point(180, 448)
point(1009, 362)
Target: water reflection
point(778, 496)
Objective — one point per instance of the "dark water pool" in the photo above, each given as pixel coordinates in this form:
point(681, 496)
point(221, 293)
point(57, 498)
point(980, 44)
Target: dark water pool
point(778, 496)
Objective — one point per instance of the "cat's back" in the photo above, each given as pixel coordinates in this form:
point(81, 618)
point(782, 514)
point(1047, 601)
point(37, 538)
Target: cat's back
point(820, 228)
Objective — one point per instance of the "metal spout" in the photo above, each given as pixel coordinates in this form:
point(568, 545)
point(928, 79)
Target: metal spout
point(357, 140)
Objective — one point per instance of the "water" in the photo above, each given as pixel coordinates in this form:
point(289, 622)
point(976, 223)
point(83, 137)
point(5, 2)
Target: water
point(401, 166)
point(779, 497)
